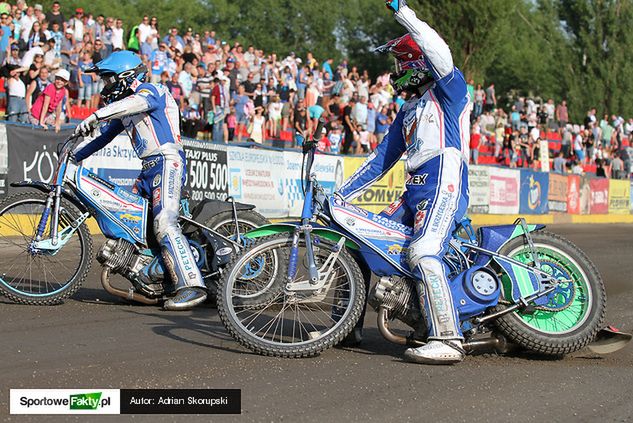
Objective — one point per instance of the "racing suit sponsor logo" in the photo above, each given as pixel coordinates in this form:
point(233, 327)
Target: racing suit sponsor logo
point(350, 221)
point(391, 224)
point(442, 215)
point(95, 193)
point(393, 207)
point(438, 299)
point(418, 179)
point(156, 181)
point(181, 249)
point(396, 250)
point(148, 164)
point(420, 217)
point(171, 182)
point(156, 197)
point(422, 205)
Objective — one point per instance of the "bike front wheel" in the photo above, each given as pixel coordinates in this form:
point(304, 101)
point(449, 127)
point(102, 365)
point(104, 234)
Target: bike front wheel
point(29, 275)
point(298, 320)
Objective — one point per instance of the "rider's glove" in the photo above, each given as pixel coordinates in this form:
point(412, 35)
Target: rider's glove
point(395, 5)
point(87, 126)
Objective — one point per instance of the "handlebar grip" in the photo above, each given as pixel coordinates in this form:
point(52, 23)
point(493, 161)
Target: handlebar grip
point(319, 129)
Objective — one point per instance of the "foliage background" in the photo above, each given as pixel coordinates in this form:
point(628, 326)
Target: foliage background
point(573, 49)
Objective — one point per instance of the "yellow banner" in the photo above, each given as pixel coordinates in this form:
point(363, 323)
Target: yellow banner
point(382, 193)
point(619, 197)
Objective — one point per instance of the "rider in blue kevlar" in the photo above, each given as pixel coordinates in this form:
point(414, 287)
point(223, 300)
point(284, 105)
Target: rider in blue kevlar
point(433, 130)
point(150, 116)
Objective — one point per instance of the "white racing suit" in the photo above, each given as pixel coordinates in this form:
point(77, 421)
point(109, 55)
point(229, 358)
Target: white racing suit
point(151, 119)
point(433, 131)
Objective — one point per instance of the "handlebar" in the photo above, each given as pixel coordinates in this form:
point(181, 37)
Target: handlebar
point(314, 139)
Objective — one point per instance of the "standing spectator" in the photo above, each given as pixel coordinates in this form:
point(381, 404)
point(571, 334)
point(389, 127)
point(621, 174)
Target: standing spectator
point(617, 167)
point(26, 23)
point(360, 113)
point(480, 96)
point(6, 36)
point(56, 16)
point(274, 117)
point(158, 62)
point(175, 89)
point(145, 29)
point(16, 90)
point(217, 103)
point(566, 141)
point(371, 125)
point(301, 124)
point(578, 150)
point(607, 131)
point(66, 49)
point(186, 80)
point(349, 126)
point(562, 115)
point(240, 111)
point(86, 80)
point(382, 124)
point(550, 110)
point(256, 127)
point(491, 99)
point(47, 109)
point(117, 36)
point(475, 141)
point(471, 90)
point(77, 25)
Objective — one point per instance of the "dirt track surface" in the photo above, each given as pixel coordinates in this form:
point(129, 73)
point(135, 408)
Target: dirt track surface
point(96, 341)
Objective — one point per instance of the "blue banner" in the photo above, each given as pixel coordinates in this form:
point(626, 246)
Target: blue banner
point(534, 192)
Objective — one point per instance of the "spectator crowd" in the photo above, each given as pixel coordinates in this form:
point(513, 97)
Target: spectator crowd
point(229, 92)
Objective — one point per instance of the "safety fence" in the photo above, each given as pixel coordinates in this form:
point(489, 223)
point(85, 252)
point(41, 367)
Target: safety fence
point(271, 178)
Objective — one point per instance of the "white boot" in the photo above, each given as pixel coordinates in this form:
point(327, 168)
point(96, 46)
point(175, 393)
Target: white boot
point(437, 352)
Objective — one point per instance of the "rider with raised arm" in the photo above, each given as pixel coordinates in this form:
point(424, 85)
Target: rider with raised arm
point(433, 130)
point(150, 116)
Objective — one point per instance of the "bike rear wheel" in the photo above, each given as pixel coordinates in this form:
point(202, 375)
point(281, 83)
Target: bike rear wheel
point(574, 312)
point(286, 322)
point(37, 277)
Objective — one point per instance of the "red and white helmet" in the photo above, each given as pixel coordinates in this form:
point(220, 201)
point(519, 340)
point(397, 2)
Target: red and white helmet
point(407, 53)
point(412, 71)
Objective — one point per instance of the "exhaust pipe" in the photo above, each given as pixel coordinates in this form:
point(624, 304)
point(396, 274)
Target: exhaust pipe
point(128, 295)
point(494, 343)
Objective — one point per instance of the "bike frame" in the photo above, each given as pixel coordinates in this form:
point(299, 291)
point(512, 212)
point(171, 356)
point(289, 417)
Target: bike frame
point(528, 283)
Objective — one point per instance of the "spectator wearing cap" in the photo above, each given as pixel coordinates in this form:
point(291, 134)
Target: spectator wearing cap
point(5, 7)
point(76, 23)
point(47, 109)
point(56, 16)
point(13, 58)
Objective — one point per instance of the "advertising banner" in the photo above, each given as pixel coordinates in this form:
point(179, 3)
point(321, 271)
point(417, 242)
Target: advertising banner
point(599, 198)
point(32, 153)
point(382, 193)
point(207, 171)
point(479, 185)
point(256, 177)
point(117, 162)
point(631, 197)
point(557, 196)
point(619, 196)
point(504, 191)
point(534, 192)
point(573, 194)
point(329, 171)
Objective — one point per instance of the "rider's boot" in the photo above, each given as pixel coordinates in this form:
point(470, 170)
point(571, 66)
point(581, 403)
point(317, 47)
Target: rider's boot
point(437, 352)
point(179, 262)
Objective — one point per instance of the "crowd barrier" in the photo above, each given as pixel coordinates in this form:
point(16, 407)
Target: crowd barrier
point(271, 178)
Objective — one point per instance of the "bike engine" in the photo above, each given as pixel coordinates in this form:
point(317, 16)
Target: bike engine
point(399, 297)
point(124, 259)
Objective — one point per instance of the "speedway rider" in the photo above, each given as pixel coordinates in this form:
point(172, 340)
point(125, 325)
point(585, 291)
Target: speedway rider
point(433, 130)
point(150, 116)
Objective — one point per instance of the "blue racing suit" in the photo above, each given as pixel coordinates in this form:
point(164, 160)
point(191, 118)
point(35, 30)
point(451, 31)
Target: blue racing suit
point(151, 119)
point(433, 131)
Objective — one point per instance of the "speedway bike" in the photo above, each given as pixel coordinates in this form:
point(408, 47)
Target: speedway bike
point(47, 249)
point(513, 285)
